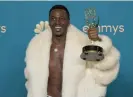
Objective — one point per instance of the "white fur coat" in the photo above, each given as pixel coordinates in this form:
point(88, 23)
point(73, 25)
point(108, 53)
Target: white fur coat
point(79, 80)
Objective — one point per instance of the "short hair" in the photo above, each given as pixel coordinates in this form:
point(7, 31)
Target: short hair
point(60, 7)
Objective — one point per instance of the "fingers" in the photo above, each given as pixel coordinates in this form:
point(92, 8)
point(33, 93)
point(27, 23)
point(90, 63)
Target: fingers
point(37, 31)
point(92, 30)
point(93, 37)
point(42, 24)
point(39, 27)
point(93, 34)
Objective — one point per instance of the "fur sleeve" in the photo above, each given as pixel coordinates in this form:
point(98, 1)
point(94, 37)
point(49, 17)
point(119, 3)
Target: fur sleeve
point(26, 70)
point(111, 54)
point(105, 71)
point(28, 60)
point(27, 84)
point(105, 77)
point(109, 61)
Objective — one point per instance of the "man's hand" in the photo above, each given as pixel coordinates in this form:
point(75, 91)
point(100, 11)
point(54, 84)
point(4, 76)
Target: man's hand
point(41, 26)
point(93, 34)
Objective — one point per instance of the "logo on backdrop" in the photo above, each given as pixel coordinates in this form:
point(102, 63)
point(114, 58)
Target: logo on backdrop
point(107, 28)
point(3, 29)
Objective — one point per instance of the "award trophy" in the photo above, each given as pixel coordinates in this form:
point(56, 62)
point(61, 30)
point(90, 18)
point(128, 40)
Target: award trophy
point(92, 52)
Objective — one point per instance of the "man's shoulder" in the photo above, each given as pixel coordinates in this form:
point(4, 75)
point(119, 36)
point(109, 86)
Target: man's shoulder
point(78, 33)
point(40, 36)
point(37, 39)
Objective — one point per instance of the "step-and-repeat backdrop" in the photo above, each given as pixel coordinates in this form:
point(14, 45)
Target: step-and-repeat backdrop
point(17, 23)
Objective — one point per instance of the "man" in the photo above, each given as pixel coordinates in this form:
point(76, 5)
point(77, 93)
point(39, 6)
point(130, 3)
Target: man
point(54, 66)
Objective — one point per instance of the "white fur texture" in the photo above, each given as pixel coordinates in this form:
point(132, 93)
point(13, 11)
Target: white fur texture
point(78, 80)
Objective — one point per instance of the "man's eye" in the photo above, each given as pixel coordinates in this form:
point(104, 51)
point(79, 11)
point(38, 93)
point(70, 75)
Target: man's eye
point(62, 18)
point(53, 18)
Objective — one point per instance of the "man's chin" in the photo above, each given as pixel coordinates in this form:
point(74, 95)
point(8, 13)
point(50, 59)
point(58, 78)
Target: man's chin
point(58, 34)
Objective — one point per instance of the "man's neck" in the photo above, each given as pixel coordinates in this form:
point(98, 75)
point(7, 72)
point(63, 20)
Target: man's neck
point(58, 40)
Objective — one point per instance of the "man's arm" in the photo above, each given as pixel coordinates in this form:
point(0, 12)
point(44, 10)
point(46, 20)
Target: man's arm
point(32, 59)
point(26, 70)
point(29, 57)
point(27, 84)
point(105, 71)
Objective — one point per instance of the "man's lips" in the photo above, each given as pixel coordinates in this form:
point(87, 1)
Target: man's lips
point(58, 28)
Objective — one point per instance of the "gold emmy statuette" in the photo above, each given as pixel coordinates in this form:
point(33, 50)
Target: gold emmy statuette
point(92, 52)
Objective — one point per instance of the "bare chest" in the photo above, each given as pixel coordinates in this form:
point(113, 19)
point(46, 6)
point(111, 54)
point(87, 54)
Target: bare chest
point(56, 57)
point(55, 71)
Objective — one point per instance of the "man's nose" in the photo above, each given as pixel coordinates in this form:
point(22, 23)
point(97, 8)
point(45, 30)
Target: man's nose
point(57, 21)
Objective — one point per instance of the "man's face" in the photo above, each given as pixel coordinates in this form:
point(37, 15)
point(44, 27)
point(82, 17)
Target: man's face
point(59, 22)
